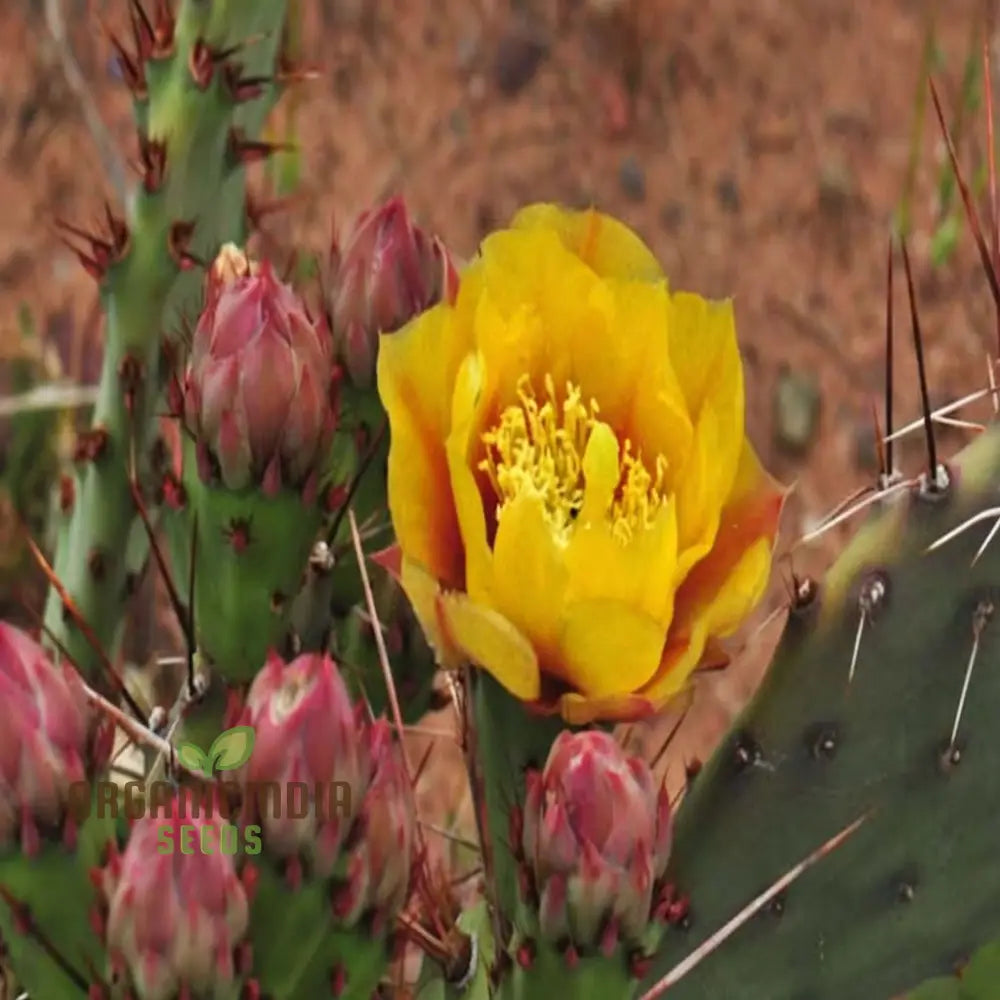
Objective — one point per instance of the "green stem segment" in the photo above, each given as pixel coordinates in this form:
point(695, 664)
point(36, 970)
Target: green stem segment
point(203, 183)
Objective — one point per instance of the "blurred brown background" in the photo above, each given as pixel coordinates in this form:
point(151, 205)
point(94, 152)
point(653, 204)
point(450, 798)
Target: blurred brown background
point(760, 146)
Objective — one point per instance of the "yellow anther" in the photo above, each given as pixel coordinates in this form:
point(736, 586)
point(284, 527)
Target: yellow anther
point(539, 449)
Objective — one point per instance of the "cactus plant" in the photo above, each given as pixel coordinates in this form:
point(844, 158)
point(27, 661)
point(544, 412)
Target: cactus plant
point(525, 483)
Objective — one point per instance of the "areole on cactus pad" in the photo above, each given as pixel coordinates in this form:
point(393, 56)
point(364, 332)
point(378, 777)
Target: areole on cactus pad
point(576, 503)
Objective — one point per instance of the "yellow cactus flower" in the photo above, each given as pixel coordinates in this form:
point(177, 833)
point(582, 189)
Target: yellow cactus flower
point(577, 507)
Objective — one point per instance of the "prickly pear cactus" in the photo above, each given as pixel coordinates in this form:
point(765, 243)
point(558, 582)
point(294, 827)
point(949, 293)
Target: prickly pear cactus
point(522, 491)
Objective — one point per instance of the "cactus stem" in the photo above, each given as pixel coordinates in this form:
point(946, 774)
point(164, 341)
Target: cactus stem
point(970, 208)
point(25, 924)
point(367, 457)
point(243, 88)
point(97, 564)
point(72, 613)
point(182, 613)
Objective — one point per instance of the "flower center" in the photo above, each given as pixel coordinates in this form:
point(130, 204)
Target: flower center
point(538, 449)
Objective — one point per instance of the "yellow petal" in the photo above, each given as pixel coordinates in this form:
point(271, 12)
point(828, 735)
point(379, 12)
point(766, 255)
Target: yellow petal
point(658, 421)
point(423, 591)
point(704, 351)
point(606, 245)
point(463, 449)
point(579, 710)
point(722, 590)
point(699, 500)
point(489, 641)
point(538, 302)
point(633, 379)
point(529, 575)
point(608, 648)
point(705, 355)
point(416, 372)
point(730, 605)
point(600, 565)
point(639, 573)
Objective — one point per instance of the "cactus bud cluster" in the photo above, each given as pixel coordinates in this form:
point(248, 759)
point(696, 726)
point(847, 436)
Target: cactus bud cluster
point(309, 735)
point(595, 841)
point(176, 912)
point(49, 741)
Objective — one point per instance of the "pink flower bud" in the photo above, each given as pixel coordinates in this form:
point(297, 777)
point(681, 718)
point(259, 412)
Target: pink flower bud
point(388, 272)
point(176, 907)
point(45, 741)
point(596, 838)
point(258, 389)
point(307, 734)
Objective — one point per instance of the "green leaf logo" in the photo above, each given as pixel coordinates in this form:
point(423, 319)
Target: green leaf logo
point(193, 757)
point(229, 750)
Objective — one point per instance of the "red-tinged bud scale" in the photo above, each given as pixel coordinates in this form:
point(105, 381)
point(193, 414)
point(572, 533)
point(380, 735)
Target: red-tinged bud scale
point(176, 909)
point(49, 741)
point(596, 839)
point(258, 389)
point(386, 272)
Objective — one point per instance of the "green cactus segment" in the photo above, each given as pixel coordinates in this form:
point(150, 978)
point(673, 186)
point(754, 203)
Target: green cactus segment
point(250, 555)
point(548, 975)
point(55, 891)
point(194, 126)
point(360, 451)
point(508, 740)
point(978, 980)
point(299, 952)
point(412, 662)
point(916, 888)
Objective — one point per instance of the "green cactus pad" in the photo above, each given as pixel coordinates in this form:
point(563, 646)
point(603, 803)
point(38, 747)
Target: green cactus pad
point(250, 556)
point(411, 659)
point(55, 888)
point(917, 886)
point(980, 980)
point(297, 949)
point(593, 978)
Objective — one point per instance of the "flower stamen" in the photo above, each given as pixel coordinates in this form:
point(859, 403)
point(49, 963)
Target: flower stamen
point(538, 449)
